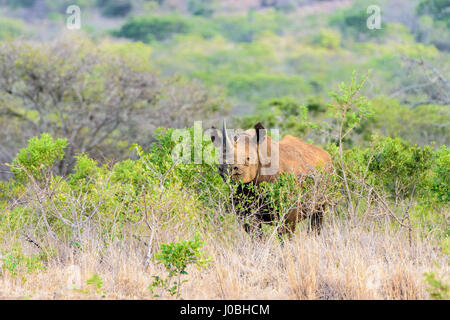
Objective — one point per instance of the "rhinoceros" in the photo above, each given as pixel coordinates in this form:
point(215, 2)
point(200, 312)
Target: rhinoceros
point(252, 157)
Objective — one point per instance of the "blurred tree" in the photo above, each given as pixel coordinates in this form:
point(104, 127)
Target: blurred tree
point(434, 23)
point(327, 38)
point(428, 83)
point(438, 9)
point(285, 113)
point(100, 102)
point(151, 28)
point(18, 3)
point(11, 28)
point(400, 166)
point(204, 8)
point(353, 22)
point(115, 8)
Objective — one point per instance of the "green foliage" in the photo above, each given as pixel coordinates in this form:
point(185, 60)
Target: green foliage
point(434, 23)
point(113, 197)
point(282, 195)
point(204, 8)
point(274, 67)
point(350, 112)
point(349, 107)
point(129, 171)
point(120, 91)
point(353, 22)
point(327, 38)
point(438, 289)
point(134, 51)
point(439, 183)
point(285, 113)
point(404, 170)
point(153, 28)
point(266, 55)
point(438, 9)
point(59, 111)
point(15, 261)
point(422, 125)
point(176, 257)
point(248, 28)
point(37, 159)
point(114, 8)
point(235, 28)
point(19, 3)
point(11, 28)
point(399, 165)
point(84, 168)
point(264, 85)
point(95, 281)
point(193, 170)
point(85, 171)
point(9, 189)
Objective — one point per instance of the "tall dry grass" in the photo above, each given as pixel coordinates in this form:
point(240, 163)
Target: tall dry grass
point(343, 262)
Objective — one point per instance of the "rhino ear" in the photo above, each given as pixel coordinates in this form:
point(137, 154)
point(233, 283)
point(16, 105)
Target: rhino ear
point(216, 136)
point(261, 133)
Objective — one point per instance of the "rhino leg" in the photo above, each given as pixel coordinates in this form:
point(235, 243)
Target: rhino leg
point(254, 229)
point(288, 226)
point(317, 220)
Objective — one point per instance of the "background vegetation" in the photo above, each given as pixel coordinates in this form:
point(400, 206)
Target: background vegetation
point(93, 205)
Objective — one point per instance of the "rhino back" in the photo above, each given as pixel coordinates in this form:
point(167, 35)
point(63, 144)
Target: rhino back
point(298, 156)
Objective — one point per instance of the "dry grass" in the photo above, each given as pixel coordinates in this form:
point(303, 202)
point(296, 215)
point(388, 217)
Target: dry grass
point(341, 263)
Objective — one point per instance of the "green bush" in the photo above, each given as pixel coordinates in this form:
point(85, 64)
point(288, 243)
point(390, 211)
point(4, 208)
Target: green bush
point(326, 38)
point(248, 28)
point(438, 9)
point(422, 125)
point(176, 257)
point(259, 86)
point(19, 3)
point(400, 166)
point(440, 178)
point(353, 22)
point(38, 158)
point(85, 173)
point(96, 282)
point(199, 178)
point(285, 113)
point(204, 8)
point(15, 261)
point(11, 28)
point(434, 23)
point(438, 289)
point(115, 8)
point(235, 28)
point(405, 171)
point(151, 28)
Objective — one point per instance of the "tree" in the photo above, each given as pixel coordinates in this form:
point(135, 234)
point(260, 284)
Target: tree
point(72, 90)
point(204, 8)
point(438, 9)
point(98, 99)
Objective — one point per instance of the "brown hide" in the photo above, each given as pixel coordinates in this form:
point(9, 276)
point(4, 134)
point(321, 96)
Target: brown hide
point(297, 157)
point(294, 156)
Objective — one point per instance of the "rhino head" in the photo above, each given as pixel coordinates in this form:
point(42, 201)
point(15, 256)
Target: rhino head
point(239, 157)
